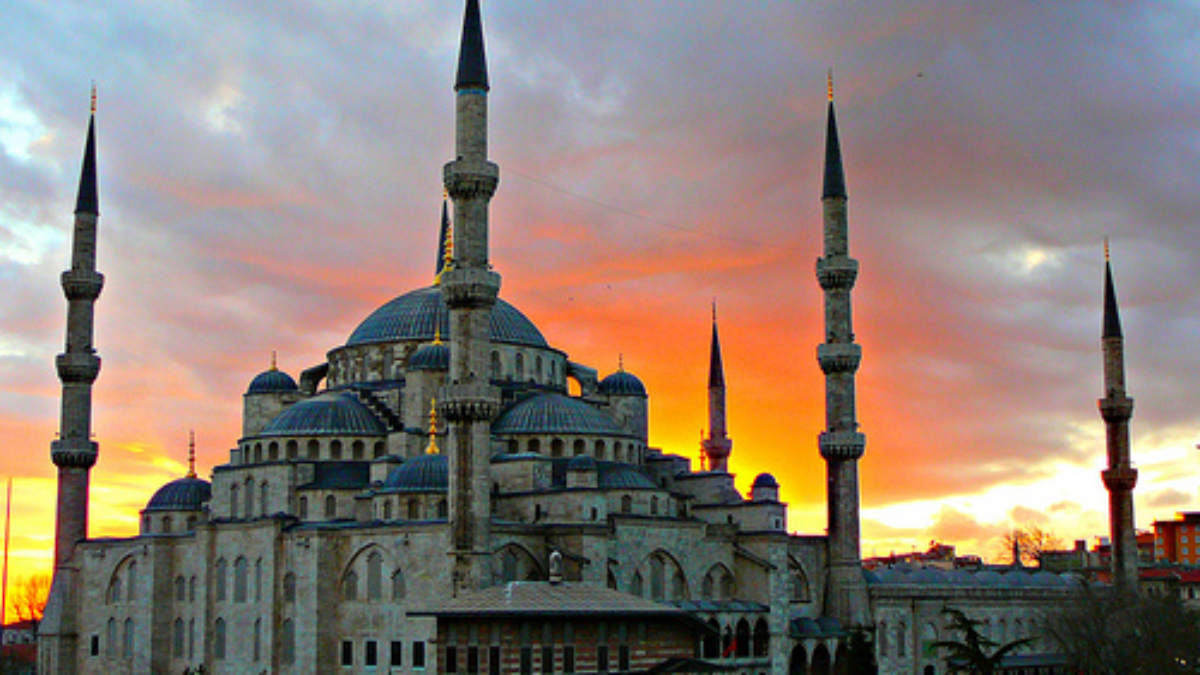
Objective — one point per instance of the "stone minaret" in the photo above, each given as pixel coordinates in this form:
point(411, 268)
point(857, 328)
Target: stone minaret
point(841, 443)
point(1116, 408)
point(469, 402)
point(74, 452)
point(718, 444)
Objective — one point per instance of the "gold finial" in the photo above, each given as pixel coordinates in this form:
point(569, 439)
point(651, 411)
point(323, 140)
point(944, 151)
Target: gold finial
point(620, 363)
point(93, 97)
point(432, 449)
point(437, 332)
point(1106, 259)
point(191, 453)
point(274, 364)
point(829, 82)
point(448, 254)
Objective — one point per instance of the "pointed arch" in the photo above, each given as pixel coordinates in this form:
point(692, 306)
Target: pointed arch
point(717, 584)
point(666, 576)
point(798, 588)
point(514, 562)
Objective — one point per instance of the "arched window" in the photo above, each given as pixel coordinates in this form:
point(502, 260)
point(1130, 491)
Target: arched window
point(330, 507)
point(580, 447)
point(192, 589)
point(556, 447)
point(706, 587)
point(374, 576)
point(414, 509)
point(495, 365)
point(258, 452)
point(797, 582)
point(233, 501)
point(273, 451)
point(636, 586)
point(293, 449)
point(626, 504)
point(258, 640)
point(762, 638)
point(262, 498)
point(288, 648)
point(131, 590)
point(302, 508)
point(657, 579)
point(335, 449)
point(387, 510)
point(166, 525)
point(654, 506)
point(289, 588)
point(743, 639)
point(314, 449)
point(258, 580)
point(520, 361)
point(398, 586)
point(350, 586)
point(712, 641)
point(901, 640)
point(127, 640)
point(191, 654)
point(241, 573)
point(679, 586)
point(249, 510)
point(378, 449)
point(441, 509)
point(110, 638)
point(537, 368)
point(177, 639)
point(535, 446)
point(219, 639)
point(220, 572)
point(358, 449)
point(599, 451)
point(180, 589)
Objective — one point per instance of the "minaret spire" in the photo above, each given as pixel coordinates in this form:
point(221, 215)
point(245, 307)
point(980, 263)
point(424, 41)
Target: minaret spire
point(191, 453)
point(718, 445)
point(468, 403)
point(1117, 408)
point(841, 443)
point(74, 452)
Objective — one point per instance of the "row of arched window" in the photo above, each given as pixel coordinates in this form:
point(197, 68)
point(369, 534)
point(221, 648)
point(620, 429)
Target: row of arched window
point(515, 370)
point(314, 449)
point(122, 586)
point(167, 524)
point(240, 581)
point(627, 451)
point(242, 500)
point(411, 509)
point(363, 580)
point(738, 640)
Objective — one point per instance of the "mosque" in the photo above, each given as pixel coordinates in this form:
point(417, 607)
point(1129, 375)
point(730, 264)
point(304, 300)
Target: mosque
point(432, 497)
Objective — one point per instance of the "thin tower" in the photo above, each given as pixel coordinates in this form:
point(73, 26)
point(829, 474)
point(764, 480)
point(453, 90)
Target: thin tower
point(841, 443)
point(1116, 408)
point(718, 445)
point(469, 402)
point(74, 452)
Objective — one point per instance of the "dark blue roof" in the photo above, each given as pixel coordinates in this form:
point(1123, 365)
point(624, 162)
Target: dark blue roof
point(555, 414)
point(765, 480)
point(184, 494)
point(582, 463)
point(609, 475)
point(622, 383)
point(430, 357)
point(273, 381)
point(427, 473)
point(412, 316)
point(340, 476)
point(331, 413)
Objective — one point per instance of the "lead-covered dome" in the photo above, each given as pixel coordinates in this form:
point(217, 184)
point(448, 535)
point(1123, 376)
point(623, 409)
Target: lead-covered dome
point(414, 315)
point(434, 356)
point(331, 413)
point(427, 473)
point(273, 381)
point(622, 383)
point(555, 414)
point(184, 494)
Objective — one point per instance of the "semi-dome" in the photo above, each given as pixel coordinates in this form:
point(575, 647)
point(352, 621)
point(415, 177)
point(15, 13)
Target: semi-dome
point(555, 414)
point(273, 381)
point(427, 473)
point(184, 494)
point(414, 316)
point(433, 356)
point(331, 413)
point(622, 383)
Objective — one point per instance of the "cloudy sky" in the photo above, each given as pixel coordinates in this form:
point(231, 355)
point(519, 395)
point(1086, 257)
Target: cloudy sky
point(270, 174)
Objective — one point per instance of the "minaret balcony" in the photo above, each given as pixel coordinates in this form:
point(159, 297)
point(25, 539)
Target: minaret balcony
point(79, 284)
point(74, 452)
point(1119, 478)
point(470, 287)
point(465, 180)
point(77, 367)
point(837, 273)
point(839, 357)
point(842, 444)
point(471, 402)
point(1116, 408)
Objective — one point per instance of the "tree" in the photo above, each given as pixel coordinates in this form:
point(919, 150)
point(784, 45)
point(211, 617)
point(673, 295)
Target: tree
point(1105, 632)
point(974, 653)
point(1031, 542)
point(28, 599)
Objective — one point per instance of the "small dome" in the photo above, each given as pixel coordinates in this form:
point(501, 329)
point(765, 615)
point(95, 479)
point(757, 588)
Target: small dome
point(184, 494)
point(273, 381)
point(617, 476)
point(412, 316)
point(581, 463)
point(433, 356)
point(427, 473)
point(622, 383)
point(555, 414)
point(331, 413)
point(765, 480)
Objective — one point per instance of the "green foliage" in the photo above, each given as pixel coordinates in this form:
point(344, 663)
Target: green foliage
point(974, 653)
point(1109, 633)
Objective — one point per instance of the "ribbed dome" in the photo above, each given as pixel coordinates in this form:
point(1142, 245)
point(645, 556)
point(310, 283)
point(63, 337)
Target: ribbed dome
point(273, 381)
point(617, 476)
point(427, 473)
point(412, 316)
point(184, 494)
point(331, 413)
point(430, 357)
point(622, 383)
point(555, 414)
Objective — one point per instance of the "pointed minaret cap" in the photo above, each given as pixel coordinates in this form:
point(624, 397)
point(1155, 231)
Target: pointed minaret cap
point(1112, 316)
point(88, 200)
point(835, 177)
point(716, 370)
point(472, 64)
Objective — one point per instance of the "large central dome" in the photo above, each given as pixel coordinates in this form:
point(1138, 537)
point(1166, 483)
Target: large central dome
point(412, 317)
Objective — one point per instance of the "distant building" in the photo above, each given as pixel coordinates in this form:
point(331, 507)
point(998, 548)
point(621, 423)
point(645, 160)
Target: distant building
point(1178, 541)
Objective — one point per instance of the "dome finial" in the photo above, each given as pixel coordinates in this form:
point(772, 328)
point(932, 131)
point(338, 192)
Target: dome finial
point(274, 361)
point(829, 83)
point(620, 363)
point(191, 453)
point(93, 97)
point(437, 333)
point(445, 241)
point(1106, 256)
point(432, 448)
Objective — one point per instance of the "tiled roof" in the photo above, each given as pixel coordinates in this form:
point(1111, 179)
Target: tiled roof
point(540, 598)
point(331, 413)
point(555, 414)
point(413, 317)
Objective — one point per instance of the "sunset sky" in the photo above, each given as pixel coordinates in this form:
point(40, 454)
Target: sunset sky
point(270, 173)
